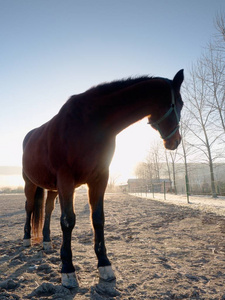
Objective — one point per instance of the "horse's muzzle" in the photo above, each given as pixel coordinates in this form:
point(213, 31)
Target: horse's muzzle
point(173, 142)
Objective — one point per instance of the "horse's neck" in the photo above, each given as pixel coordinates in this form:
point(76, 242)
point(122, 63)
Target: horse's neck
point(130, 105)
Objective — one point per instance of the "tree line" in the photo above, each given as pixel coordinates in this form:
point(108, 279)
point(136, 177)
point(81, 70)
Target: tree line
point(203, 118)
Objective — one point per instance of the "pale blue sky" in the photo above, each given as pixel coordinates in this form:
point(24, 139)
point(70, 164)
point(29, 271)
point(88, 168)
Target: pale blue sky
point(51, 49)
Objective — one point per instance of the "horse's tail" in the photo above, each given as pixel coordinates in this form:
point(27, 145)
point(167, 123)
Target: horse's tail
point(38, 212)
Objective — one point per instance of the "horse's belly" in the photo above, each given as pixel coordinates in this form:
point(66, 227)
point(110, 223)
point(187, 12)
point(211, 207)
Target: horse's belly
point(40, 176)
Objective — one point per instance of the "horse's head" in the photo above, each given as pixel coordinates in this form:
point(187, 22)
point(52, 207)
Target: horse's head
point(167, 117)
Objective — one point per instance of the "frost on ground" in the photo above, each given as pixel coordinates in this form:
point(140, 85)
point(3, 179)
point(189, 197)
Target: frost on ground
point(158, 250)
point(205, 203)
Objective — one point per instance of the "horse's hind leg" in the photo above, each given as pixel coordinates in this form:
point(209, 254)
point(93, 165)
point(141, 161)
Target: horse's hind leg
point(96, 195)
point(30, 190)
point(49, 206)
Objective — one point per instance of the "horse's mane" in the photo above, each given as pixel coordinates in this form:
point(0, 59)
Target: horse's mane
point(114, 86)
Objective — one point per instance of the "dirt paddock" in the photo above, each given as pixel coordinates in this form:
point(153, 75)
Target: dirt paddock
point(158, 251)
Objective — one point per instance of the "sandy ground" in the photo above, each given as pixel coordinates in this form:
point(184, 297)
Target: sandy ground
point(158, 250)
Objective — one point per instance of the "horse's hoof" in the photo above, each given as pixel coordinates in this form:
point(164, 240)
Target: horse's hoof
point(69, 280)
point(27, 242)
point(47, 245)
point(106, 273)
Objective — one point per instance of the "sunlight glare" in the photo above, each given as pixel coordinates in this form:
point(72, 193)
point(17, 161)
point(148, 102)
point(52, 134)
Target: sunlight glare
point(11, 181)
point(132, 146)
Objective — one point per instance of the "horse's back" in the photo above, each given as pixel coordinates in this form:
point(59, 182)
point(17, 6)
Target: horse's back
point(71, 141)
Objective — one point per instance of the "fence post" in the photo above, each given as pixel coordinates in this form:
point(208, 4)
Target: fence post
point(218, 190)
point(153, 191)
point(164, 189)
point(187, 187)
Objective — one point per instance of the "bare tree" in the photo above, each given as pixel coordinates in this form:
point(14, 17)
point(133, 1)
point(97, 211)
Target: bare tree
point(168, 167)
point(203, 128)
point(220, 27)
point(143, 171)
point(186, 148)
point(111, 187)
point(173, 156)
point(214, 64)
point(153, 167)
point(154, 159)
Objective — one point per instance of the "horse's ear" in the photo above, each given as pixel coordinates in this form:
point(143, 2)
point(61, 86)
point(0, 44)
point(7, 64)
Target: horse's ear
point(178, 79)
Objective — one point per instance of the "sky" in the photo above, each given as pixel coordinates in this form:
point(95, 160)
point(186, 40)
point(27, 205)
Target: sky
point(53, 49)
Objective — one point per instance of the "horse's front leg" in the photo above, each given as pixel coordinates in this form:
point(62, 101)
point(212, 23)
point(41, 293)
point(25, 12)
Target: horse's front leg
point(67, 220)
point(96, 197)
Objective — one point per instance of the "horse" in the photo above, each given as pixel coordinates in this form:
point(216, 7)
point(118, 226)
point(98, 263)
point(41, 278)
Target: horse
point(76, 147)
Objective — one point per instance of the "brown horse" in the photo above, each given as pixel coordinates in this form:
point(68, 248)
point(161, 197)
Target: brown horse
point(76, 146)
